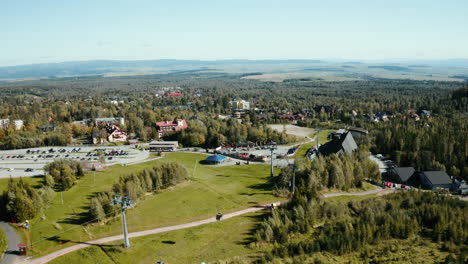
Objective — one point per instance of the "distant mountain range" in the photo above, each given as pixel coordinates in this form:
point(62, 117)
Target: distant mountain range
point(457, 67)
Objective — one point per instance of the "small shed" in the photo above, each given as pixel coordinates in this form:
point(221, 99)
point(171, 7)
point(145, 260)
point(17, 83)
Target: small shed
point(22, 249)
point(216, 159)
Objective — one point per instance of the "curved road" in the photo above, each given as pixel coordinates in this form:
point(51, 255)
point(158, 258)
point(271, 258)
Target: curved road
point(67, 250)
point(12, 248)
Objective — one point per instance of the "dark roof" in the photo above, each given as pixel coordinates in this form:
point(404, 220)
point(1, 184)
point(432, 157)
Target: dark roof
point(216, 158)
point(345, 144)
point(359, 130)
point(437, 177)
point(404, 172)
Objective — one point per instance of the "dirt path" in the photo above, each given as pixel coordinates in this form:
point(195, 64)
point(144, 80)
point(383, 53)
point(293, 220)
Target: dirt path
point(67, 250)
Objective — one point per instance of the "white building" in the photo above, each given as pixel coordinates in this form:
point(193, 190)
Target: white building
point(17, 124)
point(240, 104)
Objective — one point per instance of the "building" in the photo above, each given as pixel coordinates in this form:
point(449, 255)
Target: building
point(216, 159)
point(240, 104)
point(435, 180)
point(163, 146)
point(112, 132)
point(339, 143)
point(114, 120)
point(166, 127)
point(115, 134)
point(356, 131)
point(401, 174)
point(17, 124)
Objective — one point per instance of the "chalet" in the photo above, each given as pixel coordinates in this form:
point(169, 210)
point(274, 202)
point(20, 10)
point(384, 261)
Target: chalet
point(339, 143)
point(165, 127)
point(435, 180)
point(113, 133)
point(401, 174)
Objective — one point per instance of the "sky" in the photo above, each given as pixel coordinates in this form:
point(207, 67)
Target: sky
point(43, 31)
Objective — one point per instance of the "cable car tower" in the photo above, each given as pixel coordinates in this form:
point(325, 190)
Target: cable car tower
point(124, 202)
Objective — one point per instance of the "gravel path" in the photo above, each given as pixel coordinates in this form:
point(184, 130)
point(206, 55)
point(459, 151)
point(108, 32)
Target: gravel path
point(67, 250)
point(11, 254)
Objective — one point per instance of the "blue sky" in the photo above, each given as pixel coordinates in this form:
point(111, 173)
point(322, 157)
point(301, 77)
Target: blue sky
point(52, 31)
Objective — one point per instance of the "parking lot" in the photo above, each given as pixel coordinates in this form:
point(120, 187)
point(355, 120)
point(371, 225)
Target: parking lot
point(30, 162)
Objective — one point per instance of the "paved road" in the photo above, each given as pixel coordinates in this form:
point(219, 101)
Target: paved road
point(13, 240)
point(64, 251)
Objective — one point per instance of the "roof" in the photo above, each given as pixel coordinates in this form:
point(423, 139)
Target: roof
point(345, 144)
point(437, 177)
point(172, 124)
point(216, 158)
point(154, 142)
point(404, 172)
point(357, 129)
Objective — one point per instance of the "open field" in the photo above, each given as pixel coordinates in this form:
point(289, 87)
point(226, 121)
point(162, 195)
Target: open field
point(209, 190)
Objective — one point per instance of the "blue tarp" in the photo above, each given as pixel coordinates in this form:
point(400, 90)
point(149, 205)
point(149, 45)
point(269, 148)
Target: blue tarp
point(216, 158)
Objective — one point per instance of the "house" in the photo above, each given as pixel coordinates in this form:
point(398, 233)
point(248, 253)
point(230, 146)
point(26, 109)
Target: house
point(113, 133)
point(401, 174)
point(435, 180)
point(240, 104)
point(460, 186)
point(290, 118)
point(425, 113)
point(383, 116)
point(174, 94)
point(339, 143)
point(163, 146)
point(165, 127)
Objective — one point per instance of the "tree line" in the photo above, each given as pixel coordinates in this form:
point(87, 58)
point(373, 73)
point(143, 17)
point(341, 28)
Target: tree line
point(354, 227)
point(341, 172)
point(136, 186)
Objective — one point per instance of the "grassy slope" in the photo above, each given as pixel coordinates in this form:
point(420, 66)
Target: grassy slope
point(222, 240)
point(203, 243)
point(211, 189)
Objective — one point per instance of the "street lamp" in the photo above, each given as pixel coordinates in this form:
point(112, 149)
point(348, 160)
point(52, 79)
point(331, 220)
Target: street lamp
point(272, 146)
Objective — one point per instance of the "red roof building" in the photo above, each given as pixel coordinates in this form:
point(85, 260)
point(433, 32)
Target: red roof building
point(165, 127)
point(174, 94)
